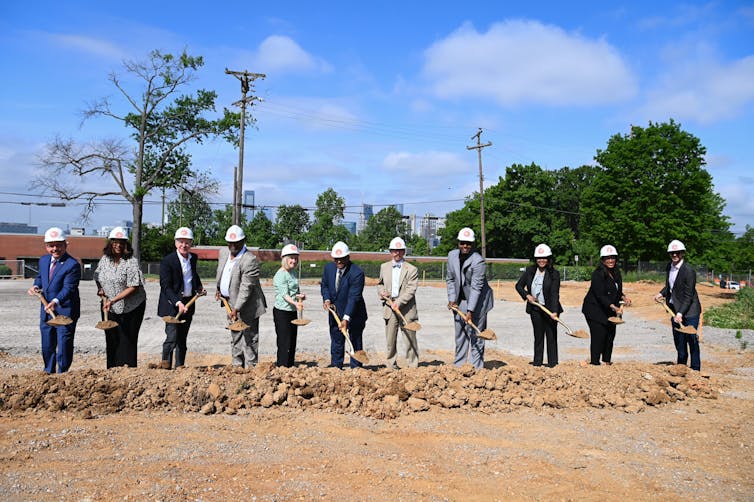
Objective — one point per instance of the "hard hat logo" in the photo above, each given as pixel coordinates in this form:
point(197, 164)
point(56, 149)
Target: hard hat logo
point(233, 236)
point(338, 252)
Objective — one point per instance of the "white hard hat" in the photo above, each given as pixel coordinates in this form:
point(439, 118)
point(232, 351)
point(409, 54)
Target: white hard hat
point(340, 249)
point(54, 234)
point(234, 234)
point(184, 233)
point(608, 250)
point(397, 243)
point(676, 245)
point(289, 249)
point(466, 235)
point(542, 251)
point(118, 233)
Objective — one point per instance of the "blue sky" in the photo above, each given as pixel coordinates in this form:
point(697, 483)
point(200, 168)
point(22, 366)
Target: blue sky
point(380, 99)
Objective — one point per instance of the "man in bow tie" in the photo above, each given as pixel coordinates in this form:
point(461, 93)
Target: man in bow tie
point(399, 281)
point(58, 281)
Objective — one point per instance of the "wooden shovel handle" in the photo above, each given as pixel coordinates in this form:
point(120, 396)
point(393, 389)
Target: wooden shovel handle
point(226, 304)
point(463, 316)
point(38, 294)
point(397, 311)
point(557, 317)
point(337, 320)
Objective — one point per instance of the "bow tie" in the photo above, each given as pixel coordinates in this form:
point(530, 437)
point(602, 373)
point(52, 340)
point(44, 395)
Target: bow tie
point(396, 265)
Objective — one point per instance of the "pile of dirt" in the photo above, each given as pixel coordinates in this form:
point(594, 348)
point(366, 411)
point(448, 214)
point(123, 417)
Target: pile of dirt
point(377, 394)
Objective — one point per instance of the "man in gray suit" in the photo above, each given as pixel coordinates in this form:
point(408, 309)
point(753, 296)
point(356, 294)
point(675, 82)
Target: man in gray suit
point(238, 282)
point(398, 281)
point(468, 291)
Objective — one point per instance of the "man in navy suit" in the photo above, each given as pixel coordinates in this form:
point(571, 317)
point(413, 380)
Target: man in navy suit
point(343, 286)
point(681, 296)
point(58, 281)
point(179, 282)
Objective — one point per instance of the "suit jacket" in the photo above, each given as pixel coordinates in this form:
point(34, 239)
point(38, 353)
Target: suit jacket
point(408, 283)
point(349, 300)
point(550, 289)
point(603, 292)
point(683, 298)
point(472, 280)
point(171, 284)
point(64, 285)
point(246, 293)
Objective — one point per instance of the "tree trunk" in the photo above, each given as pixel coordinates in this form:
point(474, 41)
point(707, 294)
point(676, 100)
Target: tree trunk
point(138, 207)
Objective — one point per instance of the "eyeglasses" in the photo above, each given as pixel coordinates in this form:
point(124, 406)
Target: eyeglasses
point(673, 253)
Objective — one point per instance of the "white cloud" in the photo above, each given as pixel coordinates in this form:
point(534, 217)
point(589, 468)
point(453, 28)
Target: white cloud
point(280, 54)
point(91, 45)
point(518, 62)
point(703, 90)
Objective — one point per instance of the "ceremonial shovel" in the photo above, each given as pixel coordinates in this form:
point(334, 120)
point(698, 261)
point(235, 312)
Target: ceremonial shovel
point(358, 355)
point(411, 326)
point(576, 334)
point(106, 324)
point(177, 319)
point(57, 320)
point(238, 324)
point(618, 317)
point(487, 334)
point(689, 330)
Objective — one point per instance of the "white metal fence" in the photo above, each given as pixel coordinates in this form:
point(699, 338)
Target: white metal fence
point(12, 269)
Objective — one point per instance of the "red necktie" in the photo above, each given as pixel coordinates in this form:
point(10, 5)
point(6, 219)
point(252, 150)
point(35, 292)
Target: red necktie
point(52, 269)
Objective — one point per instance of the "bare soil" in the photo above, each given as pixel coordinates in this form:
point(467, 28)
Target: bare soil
point(636, 430)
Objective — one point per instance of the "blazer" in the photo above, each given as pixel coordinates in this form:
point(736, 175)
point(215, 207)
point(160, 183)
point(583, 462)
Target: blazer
point(683, 297)
point(603, 292)
point(171, 284)
point(349, 300)
point(64, 285)
point(550, 289)
point(246, 293)
point(408, 283)
point(472, 280)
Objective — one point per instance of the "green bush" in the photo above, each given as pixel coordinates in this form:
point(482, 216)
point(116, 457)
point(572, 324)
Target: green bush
point(736, 315)
point(5, 270)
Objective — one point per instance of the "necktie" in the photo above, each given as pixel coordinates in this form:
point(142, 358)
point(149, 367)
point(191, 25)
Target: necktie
point(52, 269)
point(337, 279)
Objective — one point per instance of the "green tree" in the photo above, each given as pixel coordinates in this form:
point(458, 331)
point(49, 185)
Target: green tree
point(155, 243)
point(192, 209)
point(162, 122)
point(381, 229)
point(292, 223)
point(221, 220)
point(259, 232)
point(327, 229)
point(651, 188)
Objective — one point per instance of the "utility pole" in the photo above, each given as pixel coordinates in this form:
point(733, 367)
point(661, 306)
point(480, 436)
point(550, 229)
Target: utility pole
point(478, 147)
point(247, 83)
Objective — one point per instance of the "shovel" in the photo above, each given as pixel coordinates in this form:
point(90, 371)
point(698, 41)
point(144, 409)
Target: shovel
point(618, 317)
point(177, 319)
point(689, 330)
point(580, 333)
point(300, 321)
point(487, 334)
point(358, 355)
point(57, 320)
point(411, 326)
point(106, 324)
point(238, 324)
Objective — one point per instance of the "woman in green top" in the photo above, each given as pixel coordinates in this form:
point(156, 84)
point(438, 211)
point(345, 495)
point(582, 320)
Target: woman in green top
point(288, 300)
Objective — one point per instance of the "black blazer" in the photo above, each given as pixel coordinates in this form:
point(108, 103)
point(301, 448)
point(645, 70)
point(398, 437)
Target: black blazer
point(171, 284)
point(603, 292)
point(683, 298)
point(550, 289)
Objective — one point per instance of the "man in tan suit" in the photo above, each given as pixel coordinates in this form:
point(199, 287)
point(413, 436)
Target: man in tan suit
point(398, 281)
point(238, 282)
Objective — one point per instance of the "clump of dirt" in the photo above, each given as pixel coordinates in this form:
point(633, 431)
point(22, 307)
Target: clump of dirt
point(379, 393)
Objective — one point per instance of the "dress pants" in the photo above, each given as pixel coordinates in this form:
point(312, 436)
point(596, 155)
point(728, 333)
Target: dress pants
point(57, 346)
point(121, 341)
point(601, 341)
point(392, 327)
point(176, 335)
point(469, 347)
point(688, 344)
point(244, 345)
point(338, 344)
point(286, 333)
point(545, 329)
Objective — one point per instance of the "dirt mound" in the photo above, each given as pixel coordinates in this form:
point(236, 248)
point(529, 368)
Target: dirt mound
point(371, 393)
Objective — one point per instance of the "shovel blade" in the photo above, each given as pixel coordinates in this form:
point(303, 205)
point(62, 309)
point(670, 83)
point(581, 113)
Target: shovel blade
point(360, 356)
point(172, 320)
point(237, 326)
point(60, 320)
point(688, 330)
point(301, 322)
point(616, 320)
point(487, 334)
point(579, 333)
point(106, 325)
point(413, 326)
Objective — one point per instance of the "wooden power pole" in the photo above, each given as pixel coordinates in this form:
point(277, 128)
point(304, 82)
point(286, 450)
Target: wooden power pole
point(247, 83)
point(478, 147)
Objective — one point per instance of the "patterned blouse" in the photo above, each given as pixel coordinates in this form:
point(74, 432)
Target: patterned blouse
point(114, 278)
point(285, 284)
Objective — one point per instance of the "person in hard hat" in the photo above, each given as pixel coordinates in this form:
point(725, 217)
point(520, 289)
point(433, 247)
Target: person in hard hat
point(288, 303)
point(342, 287)
point(398, 283)
point(468, 291)
point(540, 283)
point(603, 300)
point(238, 282)
point(681, 296)
point(120, 283)
point(179, 282)
point(58, 282)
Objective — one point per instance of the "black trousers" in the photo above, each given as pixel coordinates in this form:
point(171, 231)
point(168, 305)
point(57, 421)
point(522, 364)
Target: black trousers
point(601, 342)
point(286, 332)
point(544, 329)
point(176, 335)
point(121, 342)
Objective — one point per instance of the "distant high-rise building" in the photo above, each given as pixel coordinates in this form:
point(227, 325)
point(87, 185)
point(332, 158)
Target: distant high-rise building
point(367, 211)
point(429, 227)
point(248, 203)
point(350, 226)
point(399, 208)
